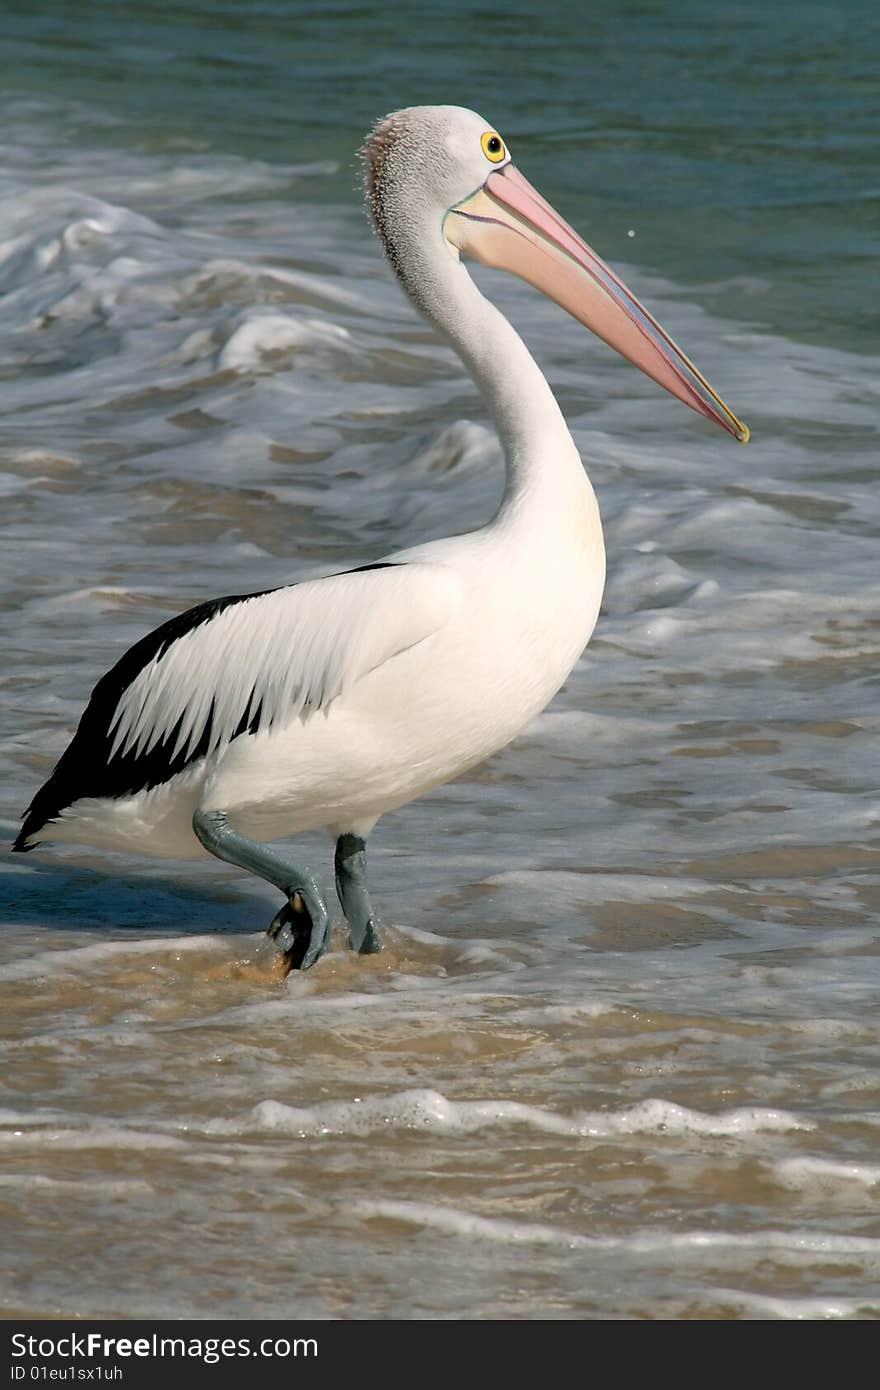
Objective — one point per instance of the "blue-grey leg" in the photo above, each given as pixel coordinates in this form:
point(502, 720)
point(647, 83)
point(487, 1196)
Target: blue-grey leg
point(302, 927)
point(351, 885)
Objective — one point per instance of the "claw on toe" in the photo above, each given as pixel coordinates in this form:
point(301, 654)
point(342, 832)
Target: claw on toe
point(291, 930)
point(301, 938)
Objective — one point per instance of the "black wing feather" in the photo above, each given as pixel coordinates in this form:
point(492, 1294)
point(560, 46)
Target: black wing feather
point(86, 768)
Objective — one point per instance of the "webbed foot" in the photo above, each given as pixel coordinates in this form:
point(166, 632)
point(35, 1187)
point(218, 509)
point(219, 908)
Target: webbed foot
point(303, 936)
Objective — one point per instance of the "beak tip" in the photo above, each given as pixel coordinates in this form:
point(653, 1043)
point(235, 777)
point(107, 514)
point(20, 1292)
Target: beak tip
point(744, 434)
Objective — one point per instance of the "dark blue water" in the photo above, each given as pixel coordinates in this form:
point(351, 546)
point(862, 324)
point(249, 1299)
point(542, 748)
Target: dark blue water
point(739, 141)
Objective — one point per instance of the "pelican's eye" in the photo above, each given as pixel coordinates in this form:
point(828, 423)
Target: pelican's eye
point(493, 146)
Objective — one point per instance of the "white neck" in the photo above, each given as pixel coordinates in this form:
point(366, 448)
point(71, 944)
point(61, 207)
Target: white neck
point(544, 469)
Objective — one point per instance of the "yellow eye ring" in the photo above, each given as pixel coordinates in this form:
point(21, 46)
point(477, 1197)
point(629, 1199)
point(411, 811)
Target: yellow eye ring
point(493, 147)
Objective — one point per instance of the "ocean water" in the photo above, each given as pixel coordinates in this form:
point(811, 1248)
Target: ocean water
point(619, 1056)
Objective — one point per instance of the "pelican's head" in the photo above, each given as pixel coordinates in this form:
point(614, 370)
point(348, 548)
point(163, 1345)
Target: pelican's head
point(444, 170)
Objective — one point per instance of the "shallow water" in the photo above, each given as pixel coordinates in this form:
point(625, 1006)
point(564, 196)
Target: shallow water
point(619, 1056)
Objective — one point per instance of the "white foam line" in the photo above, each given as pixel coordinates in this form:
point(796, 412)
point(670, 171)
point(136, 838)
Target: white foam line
point(597, 887)
point(793, 1309)
point(826, 1173)
point(452, 1221)
point(428, 1109)
point(99, 1136)
point(422, 937)
point(16, 1119)
point(79, 957)
point(39, 1182)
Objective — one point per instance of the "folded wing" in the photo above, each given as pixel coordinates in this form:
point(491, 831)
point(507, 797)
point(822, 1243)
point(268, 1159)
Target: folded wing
point(238, 665)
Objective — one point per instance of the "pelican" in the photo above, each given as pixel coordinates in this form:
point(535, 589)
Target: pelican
point(327, 702)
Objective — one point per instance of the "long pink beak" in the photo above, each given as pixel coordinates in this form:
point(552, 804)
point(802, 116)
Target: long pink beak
point(507, 224)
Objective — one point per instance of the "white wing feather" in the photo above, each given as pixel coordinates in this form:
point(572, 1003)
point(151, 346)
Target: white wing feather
point(286, 654)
